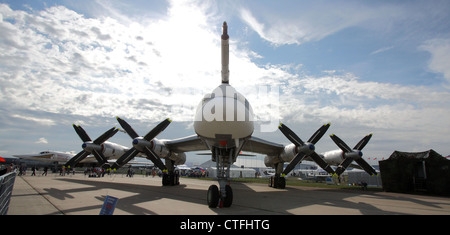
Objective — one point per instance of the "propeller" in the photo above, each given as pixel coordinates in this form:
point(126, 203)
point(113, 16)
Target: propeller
point(141, 144)
point(353, 154)
point(91, 147)
point(305, 149)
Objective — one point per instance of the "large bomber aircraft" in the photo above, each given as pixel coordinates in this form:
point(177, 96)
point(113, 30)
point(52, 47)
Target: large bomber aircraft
point(224, 126)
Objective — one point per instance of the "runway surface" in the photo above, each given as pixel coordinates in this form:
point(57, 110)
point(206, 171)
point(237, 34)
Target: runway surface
point(78, 194)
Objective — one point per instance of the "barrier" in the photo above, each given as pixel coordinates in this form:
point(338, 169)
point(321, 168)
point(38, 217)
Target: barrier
point(6, 187)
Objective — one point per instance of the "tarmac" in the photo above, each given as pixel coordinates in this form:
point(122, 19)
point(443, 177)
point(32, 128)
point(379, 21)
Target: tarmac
point(140, 195)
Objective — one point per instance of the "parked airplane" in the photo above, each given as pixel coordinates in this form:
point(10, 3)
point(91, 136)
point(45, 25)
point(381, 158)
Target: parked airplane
point(224, 126)
point(48, 156)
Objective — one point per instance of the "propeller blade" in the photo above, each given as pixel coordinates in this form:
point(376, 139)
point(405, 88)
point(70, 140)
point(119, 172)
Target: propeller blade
point(125, 158)
point(344, 164)
point(85, 138)
point(108, 134)
point(291, 135)
point(298, 158)
point(158, 129)
point(317, 159)
point(298, 142)
point(368, 168)
point(151, 155)
point(341, 144)
point(81, 133)
point(347, 161)
point(76, 159)
point(362, 143)
point(319, 133)
point(100, 157)
point(127, 128)
point(154, 158)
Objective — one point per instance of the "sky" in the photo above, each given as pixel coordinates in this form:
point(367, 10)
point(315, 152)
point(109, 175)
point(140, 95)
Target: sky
point(380, 67)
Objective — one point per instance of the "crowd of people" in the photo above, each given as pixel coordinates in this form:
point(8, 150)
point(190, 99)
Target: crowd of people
point(93, 171)
point(5, 169)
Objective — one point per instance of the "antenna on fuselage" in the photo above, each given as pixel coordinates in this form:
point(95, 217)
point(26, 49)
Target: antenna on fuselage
point(225, 54)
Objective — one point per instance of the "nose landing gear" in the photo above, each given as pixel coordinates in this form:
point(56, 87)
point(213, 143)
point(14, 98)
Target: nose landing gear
point(215, 198)
point(221, 196)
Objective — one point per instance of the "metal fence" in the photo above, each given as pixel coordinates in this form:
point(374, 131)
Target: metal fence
point(6, 187)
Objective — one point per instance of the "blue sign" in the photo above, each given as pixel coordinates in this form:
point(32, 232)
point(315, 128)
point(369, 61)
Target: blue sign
point(109, 205)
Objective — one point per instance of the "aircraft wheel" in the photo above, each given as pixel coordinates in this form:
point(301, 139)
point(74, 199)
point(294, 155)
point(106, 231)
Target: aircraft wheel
point(165, 180)
point(228, 200)
point(176, 179)
point(282, 183)
point(213, 196)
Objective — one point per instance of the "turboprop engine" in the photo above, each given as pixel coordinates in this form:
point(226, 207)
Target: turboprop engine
point(153, 148)
point(297, 151)
point(162, 151)
point(288, 154)
point(112, 150)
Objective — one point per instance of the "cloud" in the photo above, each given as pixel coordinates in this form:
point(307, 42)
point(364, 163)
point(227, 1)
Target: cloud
point(42, 141)
point(381, 50)
point(439, 62)
point(307, 21)
point(71, 64)
point(41, 121)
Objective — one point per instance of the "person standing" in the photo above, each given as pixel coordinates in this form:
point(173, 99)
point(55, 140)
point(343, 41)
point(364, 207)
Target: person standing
point(45, 171)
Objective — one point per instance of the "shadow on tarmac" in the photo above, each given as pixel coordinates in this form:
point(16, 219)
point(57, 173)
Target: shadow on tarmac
point(292, 200)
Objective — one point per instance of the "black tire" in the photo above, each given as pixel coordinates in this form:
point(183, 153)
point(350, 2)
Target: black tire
point(165, 180)
point(228, 200)
point(213, 196)
point(279, 182)
point(282, 183)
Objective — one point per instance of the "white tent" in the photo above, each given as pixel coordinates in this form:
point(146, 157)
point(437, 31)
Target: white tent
point(234, 172)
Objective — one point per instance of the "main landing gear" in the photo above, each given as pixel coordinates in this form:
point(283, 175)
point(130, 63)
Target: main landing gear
point(221, 196)
point(278, 181)
point(170, 177)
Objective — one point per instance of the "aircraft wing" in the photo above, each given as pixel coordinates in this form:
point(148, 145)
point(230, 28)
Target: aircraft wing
point(253, 144)
point(257, 145)
point(186, 144)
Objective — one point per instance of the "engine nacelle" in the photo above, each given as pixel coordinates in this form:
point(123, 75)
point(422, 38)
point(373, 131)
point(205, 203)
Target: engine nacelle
point(287, 155)
point(163, 152)
point(270, 161)
point(112, 150)
point(334, 157)
point(178, 158)
point(90, 147)
point(289, 152)
point(160, 148)
point(140, 143)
